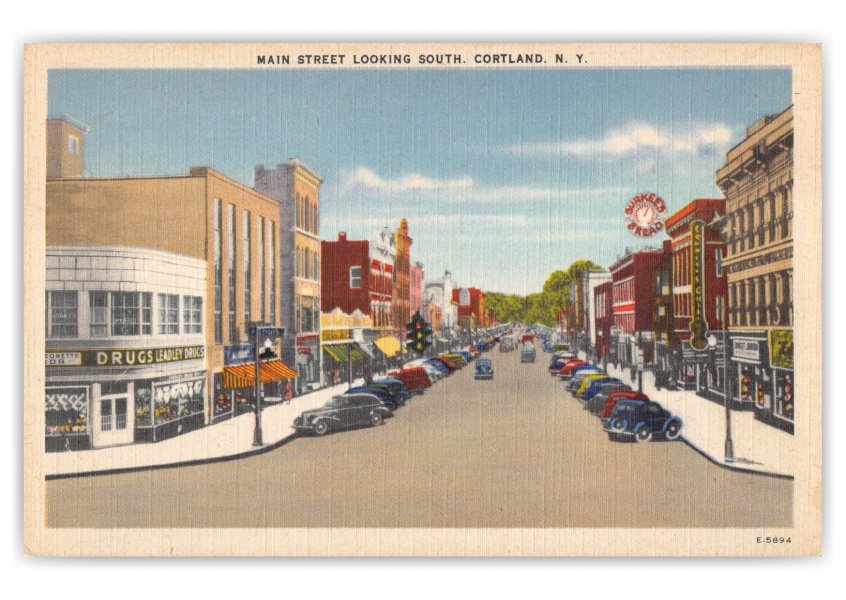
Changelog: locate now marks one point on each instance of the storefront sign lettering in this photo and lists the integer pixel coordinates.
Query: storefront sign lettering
(336, 335)
(238, 354)
(698, 324)
(123, 357)
(747, 350)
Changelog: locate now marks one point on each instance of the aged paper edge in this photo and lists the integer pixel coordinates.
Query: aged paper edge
(805, 60)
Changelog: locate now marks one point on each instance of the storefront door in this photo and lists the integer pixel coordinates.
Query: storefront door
(112, 424)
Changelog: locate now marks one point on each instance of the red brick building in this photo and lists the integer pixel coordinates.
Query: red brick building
(345, 277)
(632, 302)
(402, 270)
(415, 288)
(471, 306)
(604, 318)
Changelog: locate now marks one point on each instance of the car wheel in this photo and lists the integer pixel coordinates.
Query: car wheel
(643, 434)
(673, 430)
(420, 390)
(376, 419)
(321, 427)
(617, 424)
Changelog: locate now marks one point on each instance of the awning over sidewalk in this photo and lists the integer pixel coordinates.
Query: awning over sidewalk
(345, 352)
(242, 376)
(389, 345)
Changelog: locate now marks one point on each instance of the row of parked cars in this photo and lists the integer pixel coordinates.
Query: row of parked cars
(373, 402)
(624, 413)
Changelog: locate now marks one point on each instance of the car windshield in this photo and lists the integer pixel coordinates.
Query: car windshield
(335, 401)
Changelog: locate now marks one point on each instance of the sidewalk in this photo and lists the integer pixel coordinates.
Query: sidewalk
(757, 447)
(225, 439)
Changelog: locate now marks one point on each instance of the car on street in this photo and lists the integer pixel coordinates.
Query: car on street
(484, 369)
(439, 365)
(566, 372)
(579, 373)
(593, 387)
(596, 404)
(527, 353)
(615, 397)
(415, 379)
(387, 398)
(343, 411)
(396, 386)
(642, 420)
(457, 358)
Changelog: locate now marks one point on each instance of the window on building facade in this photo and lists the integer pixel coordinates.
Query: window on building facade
(218, 272)
(62, 314)
(272, 259)
(73, 145)
(718, 261)
(307, 214)
(168, 314)
(306, 263)
(315, 219)
(355, 277)
(98, 314)
(232, 262)
(262, 283)
(316, 271)
(192, 314)
(248, 296)
(298, 201)
(131, 313)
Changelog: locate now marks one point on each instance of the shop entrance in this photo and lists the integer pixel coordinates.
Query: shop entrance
(111, 425)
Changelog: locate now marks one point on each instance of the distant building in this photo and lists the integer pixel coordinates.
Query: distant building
(296, 186)
(441, 291)
(415, 288)
(402, 270)
(757, 181)
(590, 281)
(471, 307)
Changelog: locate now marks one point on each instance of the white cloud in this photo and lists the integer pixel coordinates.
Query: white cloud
(633, 138)
(463, 189)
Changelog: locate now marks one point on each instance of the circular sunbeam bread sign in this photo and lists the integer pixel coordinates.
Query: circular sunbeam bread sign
(645, 214)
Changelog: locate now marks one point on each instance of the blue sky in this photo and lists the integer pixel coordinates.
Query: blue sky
(504, 175)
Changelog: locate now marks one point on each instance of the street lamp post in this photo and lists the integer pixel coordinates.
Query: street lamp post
(638, 361)
(712, 342)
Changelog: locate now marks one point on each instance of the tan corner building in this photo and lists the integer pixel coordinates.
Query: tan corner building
(149, 281)
(296, 187)
(757, 180)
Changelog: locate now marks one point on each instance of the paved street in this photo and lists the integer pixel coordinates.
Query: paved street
(517, 451)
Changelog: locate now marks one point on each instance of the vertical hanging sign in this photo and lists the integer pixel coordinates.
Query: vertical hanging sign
(698, 324)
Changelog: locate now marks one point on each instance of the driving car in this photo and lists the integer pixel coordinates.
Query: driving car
(345, 410)
(527, 354)
(484, 369)
(642, 420)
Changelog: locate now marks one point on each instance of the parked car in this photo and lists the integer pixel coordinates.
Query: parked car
(388, 399)
(578, 376)
(588, 390)
(596, 404)
(566, 372)
(415, 379)
(396, 386)
(434, 374)
(467, 356)
(484, 369)
(615, 397)
(439, 365)
(457, 358)
(643, 420)
(527, 354)
(343, 411)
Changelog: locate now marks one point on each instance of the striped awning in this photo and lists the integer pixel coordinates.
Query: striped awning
(242, 376)
(345, 352)
(389, 345)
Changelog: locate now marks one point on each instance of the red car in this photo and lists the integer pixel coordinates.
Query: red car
(615, 396)
(415, 379)
(568, 367)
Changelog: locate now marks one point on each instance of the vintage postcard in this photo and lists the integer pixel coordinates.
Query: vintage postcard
(423, 299)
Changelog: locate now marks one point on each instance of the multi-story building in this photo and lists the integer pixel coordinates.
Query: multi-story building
(632, 305)
(603, 320)
(757, 181)
(590, 281)
(433, 315)
(663, 327)
(357, 277)
(415, 288)
(698, 292)
(151, 282)
(441, 291)
(471, 307)
(296, 186)
(402, 270)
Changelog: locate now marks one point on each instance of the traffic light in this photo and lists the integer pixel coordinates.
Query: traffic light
(418, 334)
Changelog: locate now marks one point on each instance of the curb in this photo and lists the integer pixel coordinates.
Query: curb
(722, 464)
(184, 463)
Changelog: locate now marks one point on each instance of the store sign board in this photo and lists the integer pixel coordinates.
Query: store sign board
(698, 324)
(746, 350)
(781, 349)
(122, 357)
(336, 335)
(238, 354)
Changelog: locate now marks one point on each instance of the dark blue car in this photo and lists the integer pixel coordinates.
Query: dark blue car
(396, 387)
(596, 385)
(438, 365)
(642, 420)
(379, 392)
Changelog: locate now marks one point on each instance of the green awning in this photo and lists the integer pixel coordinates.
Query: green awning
(345, 352)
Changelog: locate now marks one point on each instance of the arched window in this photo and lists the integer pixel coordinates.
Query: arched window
(306, 264)
(315, 219)
(307, 224)
(299, 209)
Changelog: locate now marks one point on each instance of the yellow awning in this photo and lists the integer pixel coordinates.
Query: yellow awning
(344, 352)
(389, 345)
(242, 376)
